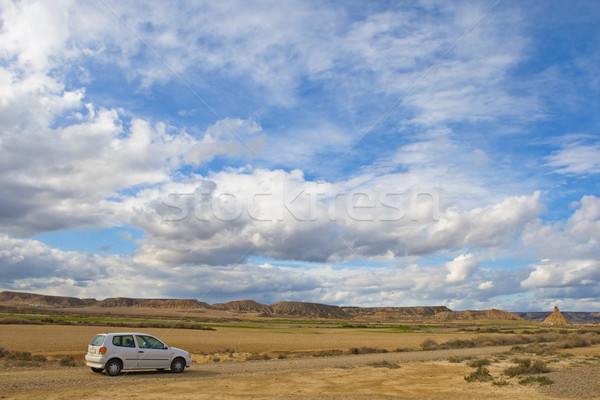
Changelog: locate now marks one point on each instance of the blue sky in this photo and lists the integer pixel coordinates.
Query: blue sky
(375, 154)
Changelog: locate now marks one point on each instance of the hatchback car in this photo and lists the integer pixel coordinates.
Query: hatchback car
(115, 352)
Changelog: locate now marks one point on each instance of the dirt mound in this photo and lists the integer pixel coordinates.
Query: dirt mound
(173, 303)
(471, 315)
(556, 318)
(308, 309)
(32, 299)
(243, 306)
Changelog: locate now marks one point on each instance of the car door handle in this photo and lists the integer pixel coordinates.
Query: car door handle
(141, 351)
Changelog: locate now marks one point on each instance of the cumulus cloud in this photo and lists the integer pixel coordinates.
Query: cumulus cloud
(571, 272)
(461, 268)
(426, 204)
(284, 216)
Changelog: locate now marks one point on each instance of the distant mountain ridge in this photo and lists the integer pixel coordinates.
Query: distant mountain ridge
(282, 308)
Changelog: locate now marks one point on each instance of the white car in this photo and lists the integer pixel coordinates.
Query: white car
(115, 352)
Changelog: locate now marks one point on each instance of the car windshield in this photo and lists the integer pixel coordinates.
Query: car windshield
(97, 340)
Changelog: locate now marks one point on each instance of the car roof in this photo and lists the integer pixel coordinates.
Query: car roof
(125, 333)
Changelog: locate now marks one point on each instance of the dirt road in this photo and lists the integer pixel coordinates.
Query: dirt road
(421, 374)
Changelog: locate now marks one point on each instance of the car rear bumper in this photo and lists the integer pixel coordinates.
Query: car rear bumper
(94, 361)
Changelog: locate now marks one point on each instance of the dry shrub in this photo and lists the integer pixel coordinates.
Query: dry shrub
(525, 366)
(384, 364)
(541, 380)
(18, 355)
(458, 359)
(479, 363)
(481, 374)
(536, 348)
(68, 361)
(458, 344)
(19, 321)
(255, 357)
(546, 337)
(571, 341)
(366, 350)
(429, 344)
(328, 353)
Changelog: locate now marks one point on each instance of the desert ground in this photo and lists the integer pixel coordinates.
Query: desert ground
(298, 362)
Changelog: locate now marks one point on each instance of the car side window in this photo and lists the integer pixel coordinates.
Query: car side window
(149, 342)
(123, 341)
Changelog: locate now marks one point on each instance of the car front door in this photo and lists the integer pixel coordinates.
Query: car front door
(152, 353)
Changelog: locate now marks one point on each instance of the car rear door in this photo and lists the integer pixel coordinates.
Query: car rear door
(152, 353)
(125, 348)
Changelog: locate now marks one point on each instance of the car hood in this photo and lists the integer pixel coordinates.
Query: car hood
(178, 350)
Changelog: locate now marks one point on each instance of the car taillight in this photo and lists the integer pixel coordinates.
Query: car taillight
(102, 350)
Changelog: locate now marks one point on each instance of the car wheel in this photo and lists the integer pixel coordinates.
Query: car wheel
(97, 369)
(113, 367)
(178, 365)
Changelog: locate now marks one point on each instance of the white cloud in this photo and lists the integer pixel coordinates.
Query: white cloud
(485, 285)
(576, 158)
(461, 268)
(216, 219)
(572, 272)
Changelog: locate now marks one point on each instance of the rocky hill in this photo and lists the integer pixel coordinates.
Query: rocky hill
(119, 302)
(556, 319)
(32, 299)
(314, 310)
(281, 309)
(470, 315)
(173, 303)
(395, 312)
(243, 306)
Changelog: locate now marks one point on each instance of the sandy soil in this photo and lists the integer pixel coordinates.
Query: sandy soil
(421, 374)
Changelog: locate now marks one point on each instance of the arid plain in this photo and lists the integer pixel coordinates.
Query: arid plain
(250, 355)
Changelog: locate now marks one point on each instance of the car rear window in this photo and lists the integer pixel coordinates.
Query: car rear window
(97, 340)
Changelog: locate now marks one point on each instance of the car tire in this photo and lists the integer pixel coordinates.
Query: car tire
(178, 365)
(113, 367)
(97, 369)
